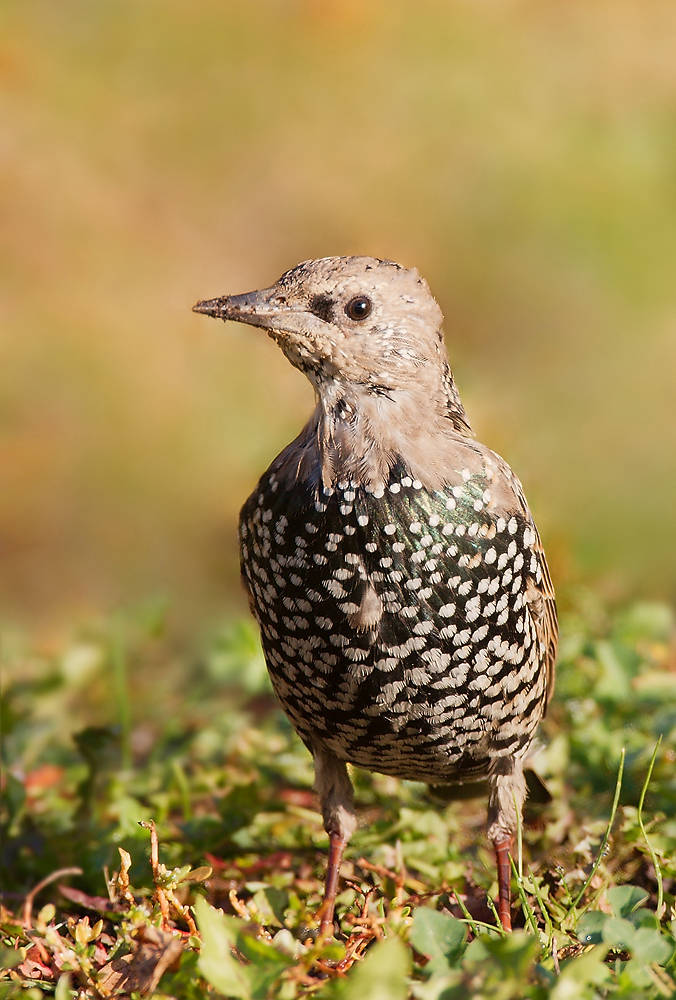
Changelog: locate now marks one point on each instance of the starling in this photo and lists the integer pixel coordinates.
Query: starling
(406, 610)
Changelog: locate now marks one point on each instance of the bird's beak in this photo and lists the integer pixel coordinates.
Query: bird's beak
(267, 308)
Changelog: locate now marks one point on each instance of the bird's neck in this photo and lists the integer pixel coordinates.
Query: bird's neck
(362, 434)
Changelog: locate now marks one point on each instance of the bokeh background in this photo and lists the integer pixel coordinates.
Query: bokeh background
(521, 154)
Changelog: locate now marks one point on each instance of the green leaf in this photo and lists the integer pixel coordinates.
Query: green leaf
(14, 796)
(644, 918)
(618, 933)
(238, 808)
(62, 991)
(10, 957)
(639, 976)
(237, 659)
(646, 620)
(650, 946)
(583, 970)
(267, 962)
(264, 977)
(515, 952)
(590, 927)
(260, 952)
(382, 975)
(624, 899)
(198, 874)
(613, 682)
(439, 936)
(271, 904)
(449, 986)
(217, 963)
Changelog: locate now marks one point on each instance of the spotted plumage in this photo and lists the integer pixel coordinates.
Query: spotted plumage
(405, 606)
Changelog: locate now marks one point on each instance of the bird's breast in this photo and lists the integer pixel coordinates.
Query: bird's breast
(396, 622)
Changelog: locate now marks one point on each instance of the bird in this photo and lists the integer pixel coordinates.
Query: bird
(406, 611)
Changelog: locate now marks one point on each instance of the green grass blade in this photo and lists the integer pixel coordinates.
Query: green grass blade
(491, 907)
(468, 916)
(653, 856)
(543, 909)
(523, 899)
(606, 838)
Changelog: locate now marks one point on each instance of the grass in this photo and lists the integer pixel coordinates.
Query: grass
(160, 836)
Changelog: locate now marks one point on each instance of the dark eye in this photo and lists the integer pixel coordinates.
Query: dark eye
(359, 307)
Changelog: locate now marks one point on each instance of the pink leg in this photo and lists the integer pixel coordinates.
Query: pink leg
(502, 849)
(336, 847)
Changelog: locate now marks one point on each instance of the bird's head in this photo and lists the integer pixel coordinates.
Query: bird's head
(347, 322)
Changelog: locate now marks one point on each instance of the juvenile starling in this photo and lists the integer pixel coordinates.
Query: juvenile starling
(405, 606)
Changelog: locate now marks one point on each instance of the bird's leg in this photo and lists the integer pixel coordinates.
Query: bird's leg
(333, 786)
(506, 795)
(502, 852)
(336, 847)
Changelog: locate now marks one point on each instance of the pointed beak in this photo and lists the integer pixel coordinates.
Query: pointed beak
(266, 308)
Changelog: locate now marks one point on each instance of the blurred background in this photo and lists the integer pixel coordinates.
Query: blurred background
(521, 154)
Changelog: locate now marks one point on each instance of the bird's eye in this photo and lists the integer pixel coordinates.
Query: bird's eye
(359, 307)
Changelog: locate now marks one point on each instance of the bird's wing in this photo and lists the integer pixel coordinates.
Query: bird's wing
(469, 539)
(544, 614)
